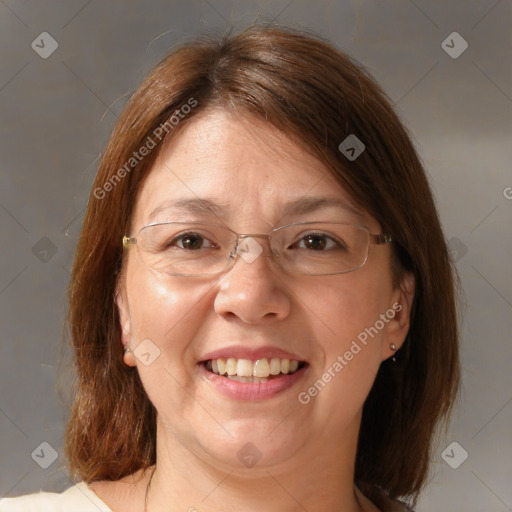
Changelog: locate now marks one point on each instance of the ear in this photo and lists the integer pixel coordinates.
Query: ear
(125, 321)
(399, 323)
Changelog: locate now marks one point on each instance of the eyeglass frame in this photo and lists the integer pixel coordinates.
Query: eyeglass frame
(373, 238)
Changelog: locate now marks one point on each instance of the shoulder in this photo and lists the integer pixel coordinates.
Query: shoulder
(379, 500)
(79, 497)
(387, 504)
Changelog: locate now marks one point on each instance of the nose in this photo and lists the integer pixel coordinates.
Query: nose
(252, 290)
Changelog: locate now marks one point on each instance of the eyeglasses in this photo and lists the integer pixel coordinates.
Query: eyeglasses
(310, 248)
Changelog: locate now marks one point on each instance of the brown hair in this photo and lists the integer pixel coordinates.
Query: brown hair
(317, 96)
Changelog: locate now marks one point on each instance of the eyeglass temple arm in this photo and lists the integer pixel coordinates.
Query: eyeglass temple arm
(381, 238)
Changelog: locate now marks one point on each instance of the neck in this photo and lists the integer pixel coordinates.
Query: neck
(317, 477)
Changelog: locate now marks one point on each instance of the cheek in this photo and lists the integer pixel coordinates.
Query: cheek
(346, 305)
(166, 310)
(166, 316)
(348, 328)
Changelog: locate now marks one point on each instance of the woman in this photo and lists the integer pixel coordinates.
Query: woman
(277, 330)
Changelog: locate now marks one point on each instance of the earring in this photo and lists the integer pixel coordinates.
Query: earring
(393, 348)
(126, 349)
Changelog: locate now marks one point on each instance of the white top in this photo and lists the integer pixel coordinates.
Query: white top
(78, 498)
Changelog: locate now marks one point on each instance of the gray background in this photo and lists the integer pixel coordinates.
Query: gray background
(56, 115)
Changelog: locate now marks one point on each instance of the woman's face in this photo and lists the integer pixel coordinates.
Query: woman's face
(248, 177)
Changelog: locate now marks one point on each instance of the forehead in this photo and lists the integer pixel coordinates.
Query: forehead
(241, 165)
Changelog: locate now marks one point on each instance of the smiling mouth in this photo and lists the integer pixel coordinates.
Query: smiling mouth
(260, 370)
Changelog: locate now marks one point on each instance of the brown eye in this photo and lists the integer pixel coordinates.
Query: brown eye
(191, 242)
(318, 242)
(315, 242)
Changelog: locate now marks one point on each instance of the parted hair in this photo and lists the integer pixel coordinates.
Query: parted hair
(317, 96)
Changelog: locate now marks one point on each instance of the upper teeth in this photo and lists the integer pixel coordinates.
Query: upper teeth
(247, 368)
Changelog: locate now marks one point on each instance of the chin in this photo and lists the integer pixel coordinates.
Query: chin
(252, 447)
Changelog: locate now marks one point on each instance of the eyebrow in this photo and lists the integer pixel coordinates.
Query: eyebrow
(202, 206)
(310, 204)
(197, 205)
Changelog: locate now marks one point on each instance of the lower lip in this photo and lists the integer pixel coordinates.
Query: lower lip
(253, 390)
